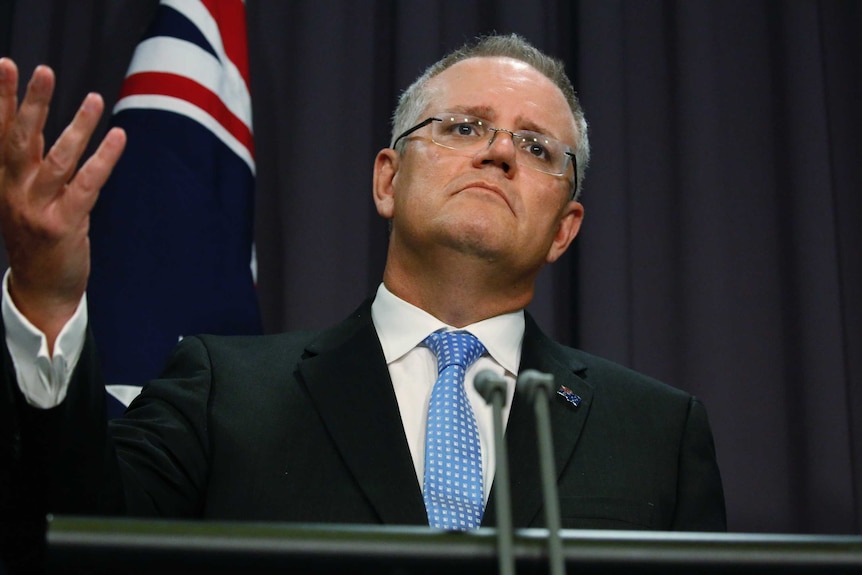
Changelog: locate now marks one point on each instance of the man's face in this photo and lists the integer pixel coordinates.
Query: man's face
(486, 204)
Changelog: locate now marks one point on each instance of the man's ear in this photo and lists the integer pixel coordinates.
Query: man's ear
(567, 229)
(385, 170)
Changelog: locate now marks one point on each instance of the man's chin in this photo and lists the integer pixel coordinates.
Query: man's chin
(479, 242)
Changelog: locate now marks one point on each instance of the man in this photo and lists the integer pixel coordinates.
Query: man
(480, 189)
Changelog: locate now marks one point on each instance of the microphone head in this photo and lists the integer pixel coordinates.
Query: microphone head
(532, 382)
(487, 383)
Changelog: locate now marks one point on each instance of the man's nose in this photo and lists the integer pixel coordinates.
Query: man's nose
(499, 151)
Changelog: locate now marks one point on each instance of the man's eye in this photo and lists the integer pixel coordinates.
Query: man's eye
(465, 129)
(537, 150)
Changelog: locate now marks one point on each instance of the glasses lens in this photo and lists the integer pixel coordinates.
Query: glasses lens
(470, 133)
(460, 132)
(541, 152)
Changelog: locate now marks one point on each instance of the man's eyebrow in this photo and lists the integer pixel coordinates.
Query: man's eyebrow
(525, 124)
(490, 114)
(485, 112)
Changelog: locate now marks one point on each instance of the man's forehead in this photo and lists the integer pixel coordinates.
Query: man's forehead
(472, 71)
(490, 62)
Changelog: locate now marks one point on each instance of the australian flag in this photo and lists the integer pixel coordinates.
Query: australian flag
(172, 232)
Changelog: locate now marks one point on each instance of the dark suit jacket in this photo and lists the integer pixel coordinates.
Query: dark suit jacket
(304, 427)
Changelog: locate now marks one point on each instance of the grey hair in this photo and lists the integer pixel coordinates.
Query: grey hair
(416, 98)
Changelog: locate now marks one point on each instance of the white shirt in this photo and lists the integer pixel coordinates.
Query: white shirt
(44, 380)
(413, 367)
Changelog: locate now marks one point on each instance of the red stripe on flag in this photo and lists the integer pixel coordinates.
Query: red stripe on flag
(230, 17)
(164, 84)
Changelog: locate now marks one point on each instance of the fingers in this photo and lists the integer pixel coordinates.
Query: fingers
(23, 138)
(83, 190)
(62, 159)
(8, 97)
(33, 183)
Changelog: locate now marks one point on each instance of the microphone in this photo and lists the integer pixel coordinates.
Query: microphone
(538, 387)
(492, 388)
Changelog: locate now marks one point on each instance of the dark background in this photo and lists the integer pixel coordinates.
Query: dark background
(720, 250)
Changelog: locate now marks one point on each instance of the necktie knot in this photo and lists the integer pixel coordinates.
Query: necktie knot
(454, 348)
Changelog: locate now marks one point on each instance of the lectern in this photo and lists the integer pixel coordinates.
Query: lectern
(135, 546)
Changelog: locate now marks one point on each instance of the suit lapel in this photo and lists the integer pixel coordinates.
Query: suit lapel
(567, 421)
(347, 378)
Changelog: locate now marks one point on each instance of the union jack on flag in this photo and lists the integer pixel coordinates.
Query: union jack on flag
(172, 232)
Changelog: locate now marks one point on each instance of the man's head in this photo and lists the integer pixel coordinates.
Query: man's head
(478, 189)
(415, 99)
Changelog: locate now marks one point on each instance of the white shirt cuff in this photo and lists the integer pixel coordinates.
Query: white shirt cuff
(43, 379)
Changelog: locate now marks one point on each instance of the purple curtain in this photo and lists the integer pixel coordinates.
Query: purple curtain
(720, 249)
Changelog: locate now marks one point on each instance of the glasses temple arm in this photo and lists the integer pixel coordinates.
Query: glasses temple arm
(421, 124)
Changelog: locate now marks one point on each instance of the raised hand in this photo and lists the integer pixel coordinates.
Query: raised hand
(45, 199)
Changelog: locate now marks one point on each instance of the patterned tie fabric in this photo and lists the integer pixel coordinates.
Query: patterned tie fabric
(453, 489)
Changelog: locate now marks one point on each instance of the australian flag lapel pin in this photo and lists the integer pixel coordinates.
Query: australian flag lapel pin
(569, 395)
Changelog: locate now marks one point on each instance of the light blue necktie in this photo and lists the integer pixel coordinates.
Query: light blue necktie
(453, 489)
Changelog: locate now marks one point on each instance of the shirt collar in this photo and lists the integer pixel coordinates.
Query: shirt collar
(401, 326)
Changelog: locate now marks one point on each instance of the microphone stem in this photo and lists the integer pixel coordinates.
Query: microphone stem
(505, 545)
(549, 484)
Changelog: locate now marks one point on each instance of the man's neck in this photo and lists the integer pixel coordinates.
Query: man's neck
(457, 295)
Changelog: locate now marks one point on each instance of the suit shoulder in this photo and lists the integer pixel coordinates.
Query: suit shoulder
(269, 352)
(287, 345)
(605, 373)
